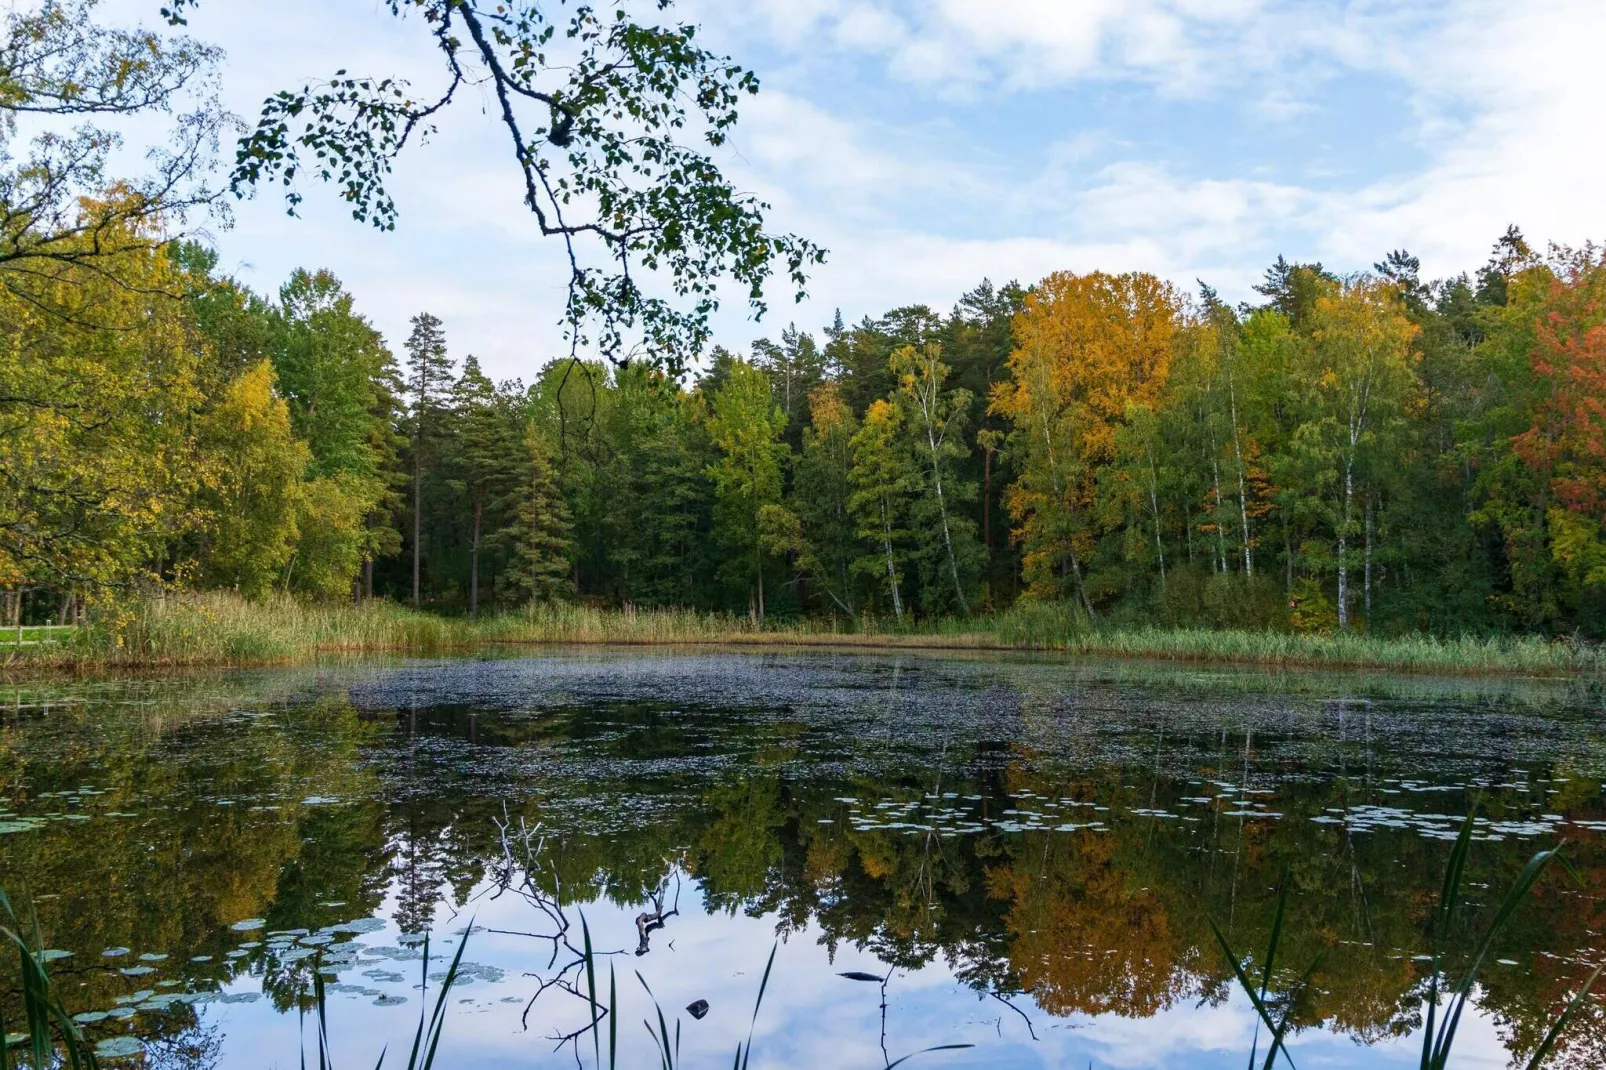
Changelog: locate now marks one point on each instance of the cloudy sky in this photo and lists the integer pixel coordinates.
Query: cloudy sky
(931, 143)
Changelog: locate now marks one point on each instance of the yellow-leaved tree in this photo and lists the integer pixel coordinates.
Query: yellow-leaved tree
(98, 381)
(253, 493)
(1086, 348)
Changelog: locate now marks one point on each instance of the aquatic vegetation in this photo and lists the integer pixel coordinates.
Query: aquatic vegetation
(1440, 1026)
(219, 628)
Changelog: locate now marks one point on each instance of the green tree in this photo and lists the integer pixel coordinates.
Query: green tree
(488, 456)
(936, 425)
(99, 385)
(883, 481)
(429, 379)
(538, 534)
(822, 490)
(745, 425)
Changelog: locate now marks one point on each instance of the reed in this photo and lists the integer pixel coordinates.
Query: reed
(220, 628)
(1440, 1023)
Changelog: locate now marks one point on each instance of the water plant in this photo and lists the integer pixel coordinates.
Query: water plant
(1439, 1025)
(220, 628)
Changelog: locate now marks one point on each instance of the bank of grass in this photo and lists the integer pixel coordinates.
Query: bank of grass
(222, 629)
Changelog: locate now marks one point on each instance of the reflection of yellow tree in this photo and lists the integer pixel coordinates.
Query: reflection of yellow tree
(1085, 939)
(200, 852)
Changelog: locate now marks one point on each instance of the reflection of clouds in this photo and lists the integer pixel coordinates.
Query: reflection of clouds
(811, 1017)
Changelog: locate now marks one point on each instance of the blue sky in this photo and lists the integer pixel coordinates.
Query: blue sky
(930, 143)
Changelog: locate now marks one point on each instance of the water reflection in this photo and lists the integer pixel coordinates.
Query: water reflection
(1031, 850)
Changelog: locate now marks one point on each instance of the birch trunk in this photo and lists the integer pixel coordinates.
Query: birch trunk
(892, 568)
(1367, 582)
(1343, 546)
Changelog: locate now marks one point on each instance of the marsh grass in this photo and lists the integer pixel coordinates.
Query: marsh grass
(219, 628)
(1440, 1023)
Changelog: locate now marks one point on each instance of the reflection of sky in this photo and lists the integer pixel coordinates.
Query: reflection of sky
(811, 1016)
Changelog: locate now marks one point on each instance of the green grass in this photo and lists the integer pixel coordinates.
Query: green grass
(223, 629)
(35, 634)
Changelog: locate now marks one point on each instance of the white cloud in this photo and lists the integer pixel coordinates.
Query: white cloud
(858, 142)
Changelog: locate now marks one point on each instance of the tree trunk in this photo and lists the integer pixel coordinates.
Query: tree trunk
(892, 568)
(942, 512)
(1221, 536)
(1288, 557)
(1243, 494)
(368, 579)
(987, 501)
(1367, 583)
(474, 563)
(1081, 591)
(1154, 505)
(418, 494)
(1343, 548)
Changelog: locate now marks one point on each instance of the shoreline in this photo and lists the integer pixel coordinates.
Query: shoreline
(222, 631)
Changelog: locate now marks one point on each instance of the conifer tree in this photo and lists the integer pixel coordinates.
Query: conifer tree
(538, 537)
(429, 377)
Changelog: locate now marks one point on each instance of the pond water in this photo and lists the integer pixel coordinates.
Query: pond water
(1030, 853)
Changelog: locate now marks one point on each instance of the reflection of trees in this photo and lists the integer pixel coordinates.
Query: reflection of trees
(1097, 922)
(222, 823)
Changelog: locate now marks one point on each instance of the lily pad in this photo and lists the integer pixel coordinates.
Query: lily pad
(151, 956)
(89, 1017)
(51, 954)
(114, 952)
(248, 925)
(359, 925)
(118, 1047)
(136, 971)
(390, 1001)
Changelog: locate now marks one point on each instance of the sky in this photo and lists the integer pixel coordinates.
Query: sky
(929, 144)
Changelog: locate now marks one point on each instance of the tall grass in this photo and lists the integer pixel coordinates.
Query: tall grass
(1440, 1024)
(223, 629)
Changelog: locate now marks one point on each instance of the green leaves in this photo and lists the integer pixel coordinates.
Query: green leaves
(604, 125)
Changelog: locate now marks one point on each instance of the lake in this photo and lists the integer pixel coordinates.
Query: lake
(1021, 854)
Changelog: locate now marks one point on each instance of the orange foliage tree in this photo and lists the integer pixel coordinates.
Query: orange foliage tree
(1087, 348)
(1566, 443)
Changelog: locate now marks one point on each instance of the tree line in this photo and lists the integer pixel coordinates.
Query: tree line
(1371, 451)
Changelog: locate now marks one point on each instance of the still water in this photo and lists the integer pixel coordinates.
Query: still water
(1028, 851)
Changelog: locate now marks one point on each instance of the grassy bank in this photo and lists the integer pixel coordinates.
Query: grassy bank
(220, 629)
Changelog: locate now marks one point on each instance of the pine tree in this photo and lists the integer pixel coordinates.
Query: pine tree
(488, 457)
(538, 538)
(429, 378)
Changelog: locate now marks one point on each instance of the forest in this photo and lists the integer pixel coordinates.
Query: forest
(1347, 452)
